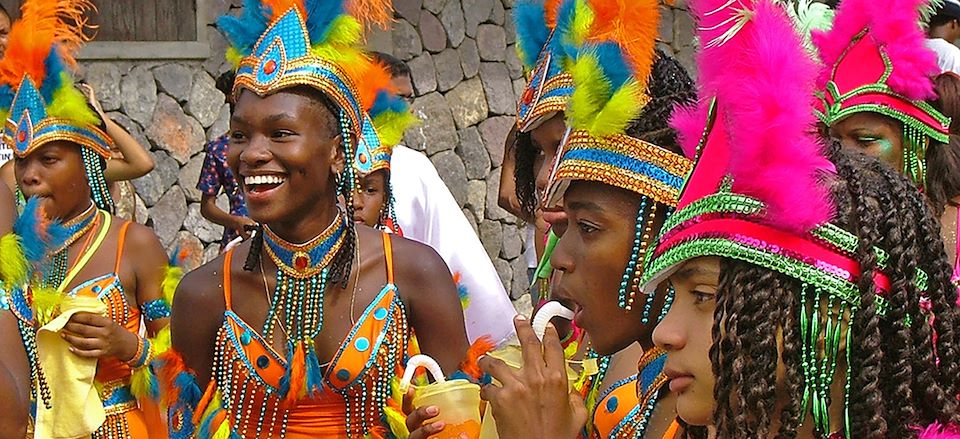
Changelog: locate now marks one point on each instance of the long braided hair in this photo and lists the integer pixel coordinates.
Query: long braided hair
(670, 84)
(343, 261)
(905, 369)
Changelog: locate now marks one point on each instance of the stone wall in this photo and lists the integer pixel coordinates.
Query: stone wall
(467, 77)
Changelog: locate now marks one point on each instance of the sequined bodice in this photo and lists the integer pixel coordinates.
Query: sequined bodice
(624, 409)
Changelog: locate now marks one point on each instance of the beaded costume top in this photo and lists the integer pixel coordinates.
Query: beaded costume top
(244, 397)
(624, 409)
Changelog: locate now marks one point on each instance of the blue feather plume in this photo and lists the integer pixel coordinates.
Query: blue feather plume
(532, 30)
(54, 66)
(561, 45)
(613, 63)
(243, 32)
(385, 102)
(38, 236)
(320, 17)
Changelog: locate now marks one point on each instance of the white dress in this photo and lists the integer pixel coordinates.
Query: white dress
(428, 213)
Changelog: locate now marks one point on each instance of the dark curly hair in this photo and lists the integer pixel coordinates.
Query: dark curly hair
(669, 85)
(896, 384)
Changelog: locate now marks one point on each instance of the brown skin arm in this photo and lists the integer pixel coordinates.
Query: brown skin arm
(8, 176)
(14, 380)
(8, 209)
(150, 264)
(135, 161)
(198, 309)
(427, 287)
(216, 215)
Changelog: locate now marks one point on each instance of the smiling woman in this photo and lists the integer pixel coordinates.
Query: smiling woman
(302, 336)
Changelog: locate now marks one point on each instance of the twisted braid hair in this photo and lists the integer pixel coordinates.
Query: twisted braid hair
(669, 85)
(896, 383)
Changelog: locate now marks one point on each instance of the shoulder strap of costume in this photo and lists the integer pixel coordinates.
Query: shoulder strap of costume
(388, 255)
(120, 242)
(90, 251)
(227, 293)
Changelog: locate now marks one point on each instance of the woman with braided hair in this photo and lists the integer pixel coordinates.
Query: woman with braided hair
(299, 332)
(812, 288)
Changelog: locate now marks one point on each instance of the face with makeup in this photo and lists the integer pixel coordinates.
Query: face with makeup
(371, 197)
(873, 134)
(592, 256)
(686, 334)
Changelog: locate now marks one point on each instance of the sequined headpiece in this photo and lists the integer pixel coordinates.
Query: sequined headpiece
(279, 44)
(540, 32)
(757, 192)
(383, 129)
(613, 59)
(875, 61)
(38, 96)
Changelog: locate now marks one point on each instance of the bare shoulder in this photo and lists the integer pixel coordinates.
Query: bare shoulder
(201, 291)
(141, 237)
(416, 260)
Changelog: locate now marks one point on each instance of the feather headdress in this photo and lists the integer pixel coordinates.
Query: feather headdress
(758, 192)
(875, 61)
(540, 28)
(277, 44)
(38, 98)
(612, 44)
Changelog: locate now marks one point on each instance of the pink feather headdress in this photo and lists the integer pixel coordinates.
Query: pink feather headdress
(875, 61)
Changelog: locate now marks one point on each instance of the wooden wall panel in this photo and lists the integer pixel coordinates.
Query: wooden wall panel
(138, 20)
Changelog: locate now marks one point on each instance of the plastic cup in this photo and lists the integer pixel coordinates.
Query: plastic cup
(458, 401)
(512, 355)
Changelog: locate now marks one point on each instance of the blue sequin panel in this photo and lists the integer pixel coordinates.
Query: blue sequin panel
(155, 310)
(626, 163)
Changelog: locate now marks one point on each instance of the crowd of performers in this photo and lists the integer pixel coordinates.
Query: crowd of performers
(767, 251)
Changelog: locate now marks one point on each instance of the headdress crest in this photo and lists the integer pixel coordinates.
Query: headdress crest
(540, 29)
(38, 96)
(875, 61)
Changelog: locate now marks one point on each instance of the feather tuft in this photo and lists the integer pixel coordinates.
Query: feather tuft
(895, 28)
(13, 263)
(764, 111)
(939, 431)
(372, 13)
(532, 30)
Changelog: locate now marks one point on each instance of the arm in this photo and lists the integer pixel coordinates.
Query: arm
(14, 379)
(8, 211)
(198, 309)
(216, 215)
(8, 176)
(150, 269)
(135, 161)
(432, 302)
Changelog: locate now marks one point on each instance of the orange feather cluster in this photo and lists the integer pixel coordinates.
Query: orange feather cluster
(43, 24)
(552, 7)
(633, 25)
(278, 7)
(479, 348)
(376, 77)
(372, 12)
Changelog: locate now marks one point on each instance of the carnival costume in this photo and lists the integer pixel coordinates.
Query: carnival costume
(41, 105)
(612, 51)
(874, 60)
(383, 128)
(254, 390)
(757, 191)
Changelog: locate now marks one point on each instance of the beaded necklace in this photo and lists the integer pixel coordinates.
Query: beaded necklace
(302, 271)
(77, 228)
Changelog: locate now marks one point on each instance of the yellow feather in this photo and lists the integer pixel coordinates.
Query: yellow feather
(70, 103)
(345, 30)
(591, 91)
(13, 263)
(171, 279)
(234, 57)
(616, 115)
(391, 125)
(223, 431)
(582, 21)
(46, 302)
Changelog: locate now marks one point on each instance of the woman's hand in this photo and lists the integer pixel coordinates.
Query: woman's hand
(95, 336)
(534, 401)
(92, 99)
(417, 423)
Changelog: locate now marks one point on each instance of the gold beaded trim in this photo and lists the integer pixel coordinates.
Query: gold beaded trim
(673, 164)
(100, 145)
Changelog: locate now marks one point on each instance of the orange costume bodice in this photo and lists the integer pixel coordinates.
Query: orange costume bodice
(124, 417)
(624, 409)
(244, 394)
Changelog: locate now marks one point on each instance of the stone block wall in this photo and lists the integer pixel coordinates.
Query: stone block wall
(467, 78)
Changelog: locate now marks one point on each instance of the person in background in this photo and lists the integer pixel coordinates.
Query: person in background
(129, 160)
(216, 174)
(428, 213)
(942, 32)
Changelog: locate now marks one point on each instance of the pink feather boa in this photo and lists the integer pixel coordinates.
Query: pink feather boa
(895, 27)
(938, 431)
(764, 80)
